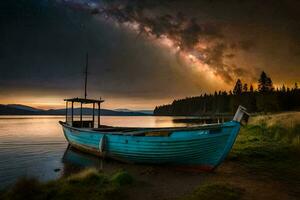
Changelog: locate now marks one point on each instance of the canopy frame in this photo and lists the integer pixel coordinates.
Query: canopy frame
(83, 123)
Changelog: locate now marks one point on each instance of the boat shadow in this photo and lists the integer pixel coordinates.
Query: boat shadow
(74, 160)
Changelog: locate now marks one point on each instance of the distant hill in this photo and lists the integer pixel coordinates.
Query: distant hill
(148, 112)
(23, 107)
(16, 109)
(8, 110)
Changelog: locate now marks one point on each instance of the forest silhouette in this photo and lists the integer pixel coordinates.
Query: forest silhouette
(264, 99)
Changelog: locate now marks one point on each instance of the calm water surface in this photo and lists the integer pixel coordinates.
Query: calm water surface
(34, 146)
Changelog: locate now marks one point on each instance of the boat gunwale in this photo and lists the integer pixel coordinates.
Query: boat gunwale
(139, 131)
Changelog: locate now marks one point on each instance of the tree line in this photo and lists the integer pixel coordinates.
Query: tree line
(264, 99)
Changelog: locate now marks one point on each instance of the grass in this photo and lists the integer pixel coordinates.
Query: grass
(88, 184)
(270, 148)
(284, 127)
(121, 178)
(215, 191)
(287, 119)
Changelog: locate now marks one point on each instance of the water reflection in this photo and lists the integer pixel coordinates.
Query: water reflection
(74, 160)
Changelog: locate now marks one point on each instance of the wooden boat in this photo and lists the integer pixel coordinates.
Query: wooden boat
(202, 147)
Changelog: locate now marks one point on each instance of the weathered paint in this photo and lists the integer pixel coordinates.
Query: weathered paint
(194, 148)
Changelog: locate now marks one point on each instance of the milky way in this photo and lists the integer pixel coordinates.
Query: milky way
(143, 53)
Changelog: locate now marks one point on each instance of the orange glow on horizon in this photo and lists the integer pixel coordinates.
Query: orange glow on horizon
(111, 103)
(47, 103)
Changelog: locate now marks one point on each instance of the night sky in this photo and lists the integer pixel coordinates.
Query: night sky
(143, 53)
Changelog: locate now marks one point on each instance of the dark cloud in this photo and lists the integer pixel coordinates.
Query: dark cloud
(231, 55)
(237, 24)
(44, 52)
(43, 45)
(245, 45)
(185, 31)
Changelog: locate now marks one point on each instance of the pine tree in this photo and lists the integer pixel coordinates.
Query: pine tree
(283, 88)
(270, 84)
(251, 88)
(265, 83)
(245, 87)
(238, 88)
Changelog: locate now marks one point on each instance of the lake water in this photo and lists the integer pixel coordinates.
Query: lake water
(34, 146)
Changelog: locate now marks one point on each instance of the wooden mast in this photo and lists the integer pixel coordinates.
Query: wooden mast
(85, 85)
(86, 74)
(83, 101)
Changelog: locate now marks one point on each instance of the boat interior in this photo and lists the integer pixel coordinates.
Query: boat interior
(139, 131)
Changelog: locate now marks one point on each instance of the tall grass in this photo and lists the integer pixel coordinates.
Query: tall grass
(270, 145)
(284, 127)
(287, 119)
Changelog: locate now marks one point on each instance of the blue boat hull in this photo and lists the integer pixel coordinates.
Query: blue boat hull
(203, 147)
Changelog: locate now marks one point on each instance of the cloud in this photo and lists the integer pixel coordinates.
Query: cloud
(246, 45)
(48, 57)
(145, 49)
